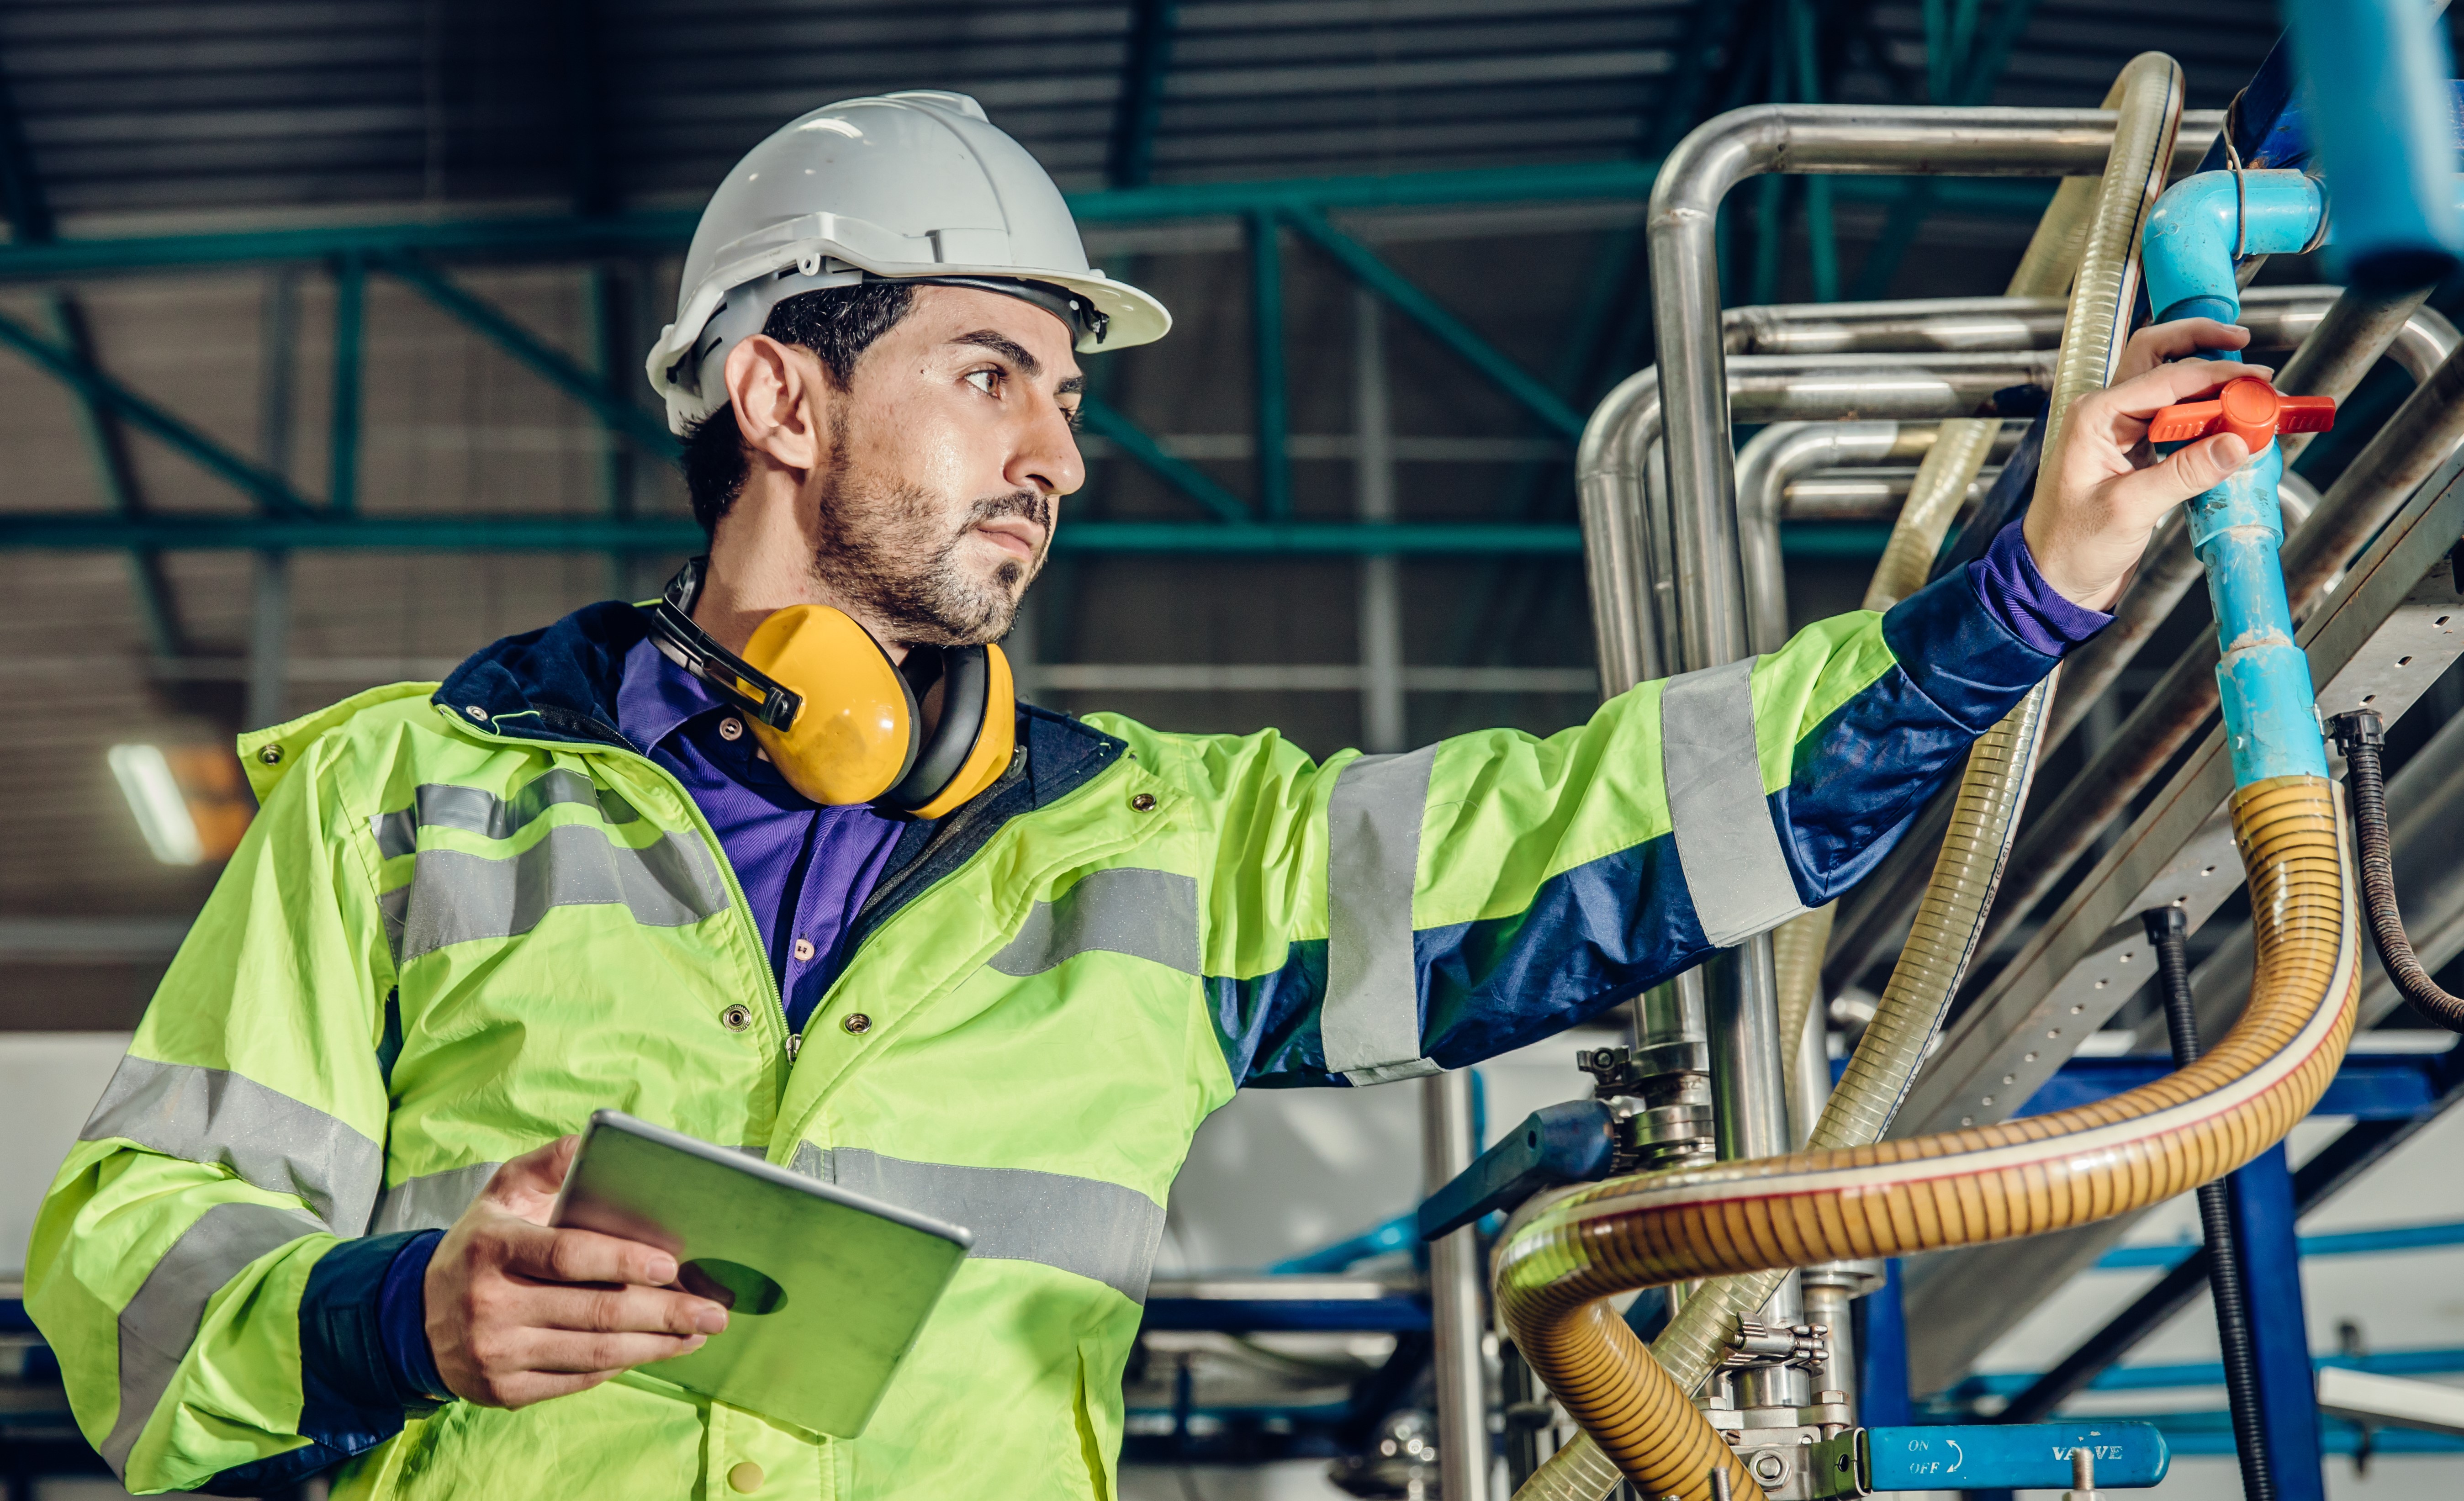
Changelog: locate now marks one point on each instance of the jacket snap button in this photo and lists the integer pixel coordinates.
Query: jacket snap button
(1144, 803)
(745, 1478)
(857, 1022)
(272, 755)
(475, 711)
(735, 1018)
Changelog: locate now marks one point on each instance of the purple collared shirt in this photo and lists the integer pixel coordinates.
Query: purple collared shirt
(2016, 595)
(806, 868)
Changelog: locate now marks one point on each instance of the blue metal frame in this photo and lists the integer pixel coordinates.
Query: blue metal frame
(1244, 1316)
(2377, 1242)
(2442, 1360)
(2259, 1198)
(1882, 1397)
(2366, 1086)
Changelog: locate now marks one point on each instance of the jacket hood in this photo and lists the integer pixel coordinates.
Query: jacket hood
(557, 683)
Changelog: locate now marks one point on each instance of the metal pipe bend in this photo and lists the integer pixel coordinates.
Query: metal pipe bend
(2023, 1176)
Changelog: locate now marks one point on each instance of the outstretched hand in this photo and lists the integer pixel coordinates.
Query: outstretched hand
(2110, 489)
(518, 1312)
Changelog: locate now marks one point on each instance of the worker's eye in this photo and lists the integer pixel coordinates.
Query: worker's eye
(1076, 415)
(987, 380)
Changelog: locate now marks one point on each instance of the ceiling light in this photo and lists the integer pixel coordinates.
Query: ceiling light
(162, 809)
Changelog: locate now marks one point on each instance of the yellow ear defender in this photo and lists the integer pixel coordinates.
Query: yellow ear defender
(839, 719)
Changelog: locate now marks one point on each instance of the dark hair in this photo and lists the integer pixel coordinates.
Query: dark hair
(837, 326)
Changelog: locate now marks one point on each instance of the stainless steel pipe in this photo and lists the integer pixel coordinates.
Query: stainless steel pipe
(1458, 1322)
(1621, 557)
(1897, 327)
(1769, 488)
(1683, 232)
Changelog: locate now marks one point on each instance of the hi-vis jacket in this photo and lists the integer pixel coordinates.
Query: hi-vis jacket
(468, 915)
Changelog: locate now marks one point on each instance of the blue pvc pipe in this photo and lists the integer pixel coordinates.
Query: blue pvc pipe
(2195, 226)
(2374, 77)
(2192, 235)
(2270, 708)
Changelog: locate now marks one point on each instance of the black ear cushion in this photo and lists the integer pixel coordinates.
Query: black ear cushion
(967, 681)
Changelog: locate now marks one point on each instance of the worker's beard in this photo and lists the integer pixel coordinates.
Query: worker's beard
(890, 551)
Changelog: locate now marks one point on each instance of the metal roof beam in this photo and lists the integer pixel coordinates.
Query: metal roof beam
(550, 364)
(552, 239)
(269, 490)
(1920, 197)
(1145, 62)
(1443, 325)
(30, 222)
(585, 532)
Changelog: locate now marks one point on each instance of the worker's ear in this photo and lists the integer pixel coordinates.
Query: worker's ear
(781, 401)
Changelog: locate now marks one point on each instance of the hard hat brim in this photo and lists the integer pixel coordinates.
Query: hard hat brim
(1136, 316)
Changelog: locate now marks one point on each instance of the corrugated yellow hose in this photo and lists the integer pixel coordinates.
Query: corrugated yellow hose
(2096, 220)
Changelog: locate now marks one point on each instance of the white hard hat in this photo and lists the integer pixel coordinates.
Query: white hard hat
(912, 186)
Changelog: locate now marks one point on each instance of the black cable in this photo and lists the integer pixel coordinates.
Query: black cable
(2167, 928)
(2362, 738)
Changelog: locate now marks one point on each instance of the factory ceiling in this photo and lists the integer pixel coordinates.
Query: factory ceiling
(123, 117)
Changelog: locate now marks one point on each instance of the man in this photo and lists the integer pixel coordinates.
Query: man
(307, 1225)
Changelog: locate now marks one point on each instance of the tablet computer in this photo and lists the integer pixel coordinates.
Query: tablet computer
(827, 1291)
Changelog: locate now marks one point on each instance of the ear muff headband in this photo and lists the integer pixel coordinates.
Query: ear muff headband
(838, 718)
(768, 700)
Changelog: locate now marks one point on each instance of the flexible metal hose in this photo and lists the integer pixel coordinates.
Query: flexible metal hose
(2359, 736)
(2023, 1176)
(2169, 929)
(1607, 1379)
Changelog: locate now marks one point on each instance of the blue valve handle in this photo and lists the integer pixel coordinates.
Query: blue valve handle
(1569, 1143)
(2009, 1456)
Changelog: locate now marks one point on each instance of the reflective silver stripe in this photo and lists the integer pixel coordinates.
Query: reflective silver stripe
(1102, 1230)
(432, 1202)
(482, 812)
(457, 897)
(160, 1323)
(269, 1139)
(1370, 1017)
(1144, 913)
(1734, 868)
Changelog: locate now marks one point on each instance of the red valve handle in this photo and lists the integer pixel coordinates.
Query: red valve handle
(2249, 407)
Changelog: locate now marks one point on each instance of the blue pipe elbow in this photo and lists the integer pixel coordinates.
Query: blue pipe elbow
(2189, 246)
(2374, 73)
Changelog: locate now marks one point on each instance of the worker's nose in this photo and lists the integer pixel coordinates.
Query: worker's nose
(1047, 457)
